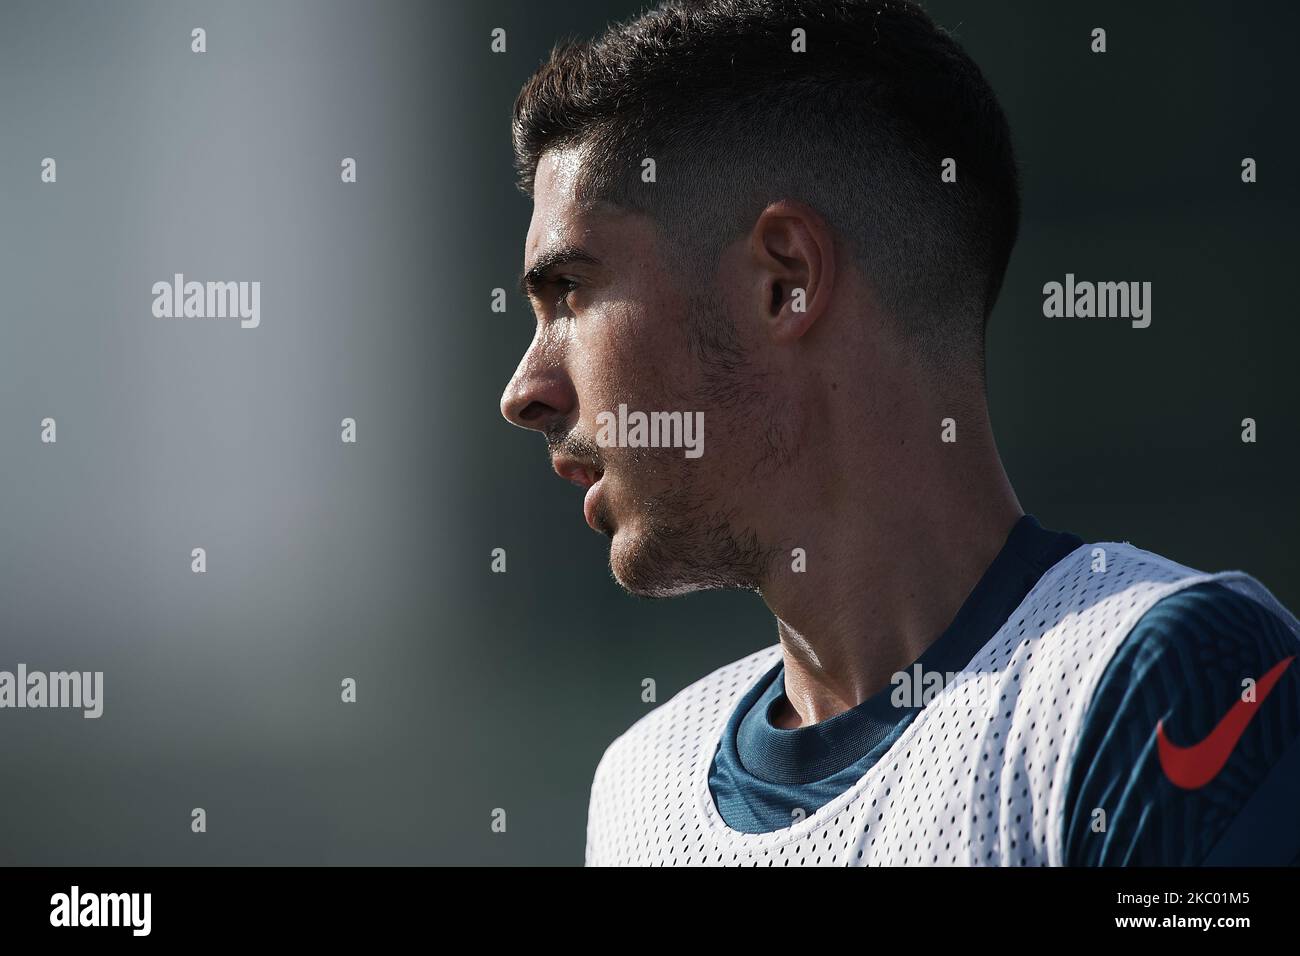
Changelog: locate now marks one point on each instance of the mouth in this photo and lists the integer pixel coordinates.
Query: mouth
(586, 476)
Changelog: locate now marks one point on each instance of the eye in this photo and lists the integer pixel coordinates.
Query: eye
(566, 287)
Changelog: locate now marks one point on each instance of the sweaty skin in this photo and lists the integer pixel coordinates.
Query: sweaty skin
(822, 432)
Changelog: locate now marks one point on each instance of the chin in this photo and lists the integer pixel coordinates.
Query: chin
(646, 565)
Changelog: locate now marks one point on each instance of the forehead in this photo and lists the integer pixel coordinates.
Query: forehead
(560, 220)
(555, 199)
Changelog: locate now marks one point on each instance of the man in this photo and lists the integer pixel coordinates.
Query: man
(741, 219)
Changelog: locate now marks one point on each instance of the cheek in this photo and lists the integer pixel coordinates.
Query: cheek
(625, 355)
(601, 367)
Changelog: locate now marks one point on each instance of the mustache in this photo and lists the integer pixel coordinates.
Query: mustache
(573, 445)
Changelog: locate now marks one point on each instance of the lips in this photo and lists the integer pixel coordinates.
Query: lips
(591, 503)
(581, 474)
(584, 475)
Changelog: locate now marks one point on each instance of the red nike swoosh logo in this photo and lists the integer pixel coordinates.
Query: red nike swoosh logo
(1195, 766)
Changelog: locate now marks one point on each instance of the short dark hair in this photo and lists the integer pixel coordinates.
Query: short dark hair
(857, 127)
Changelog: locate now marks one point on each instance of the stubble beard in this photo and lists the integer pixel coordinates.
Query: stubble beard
(687, 539)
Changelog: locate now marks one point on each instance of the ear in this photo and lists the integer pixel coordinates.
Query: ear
(792, 252)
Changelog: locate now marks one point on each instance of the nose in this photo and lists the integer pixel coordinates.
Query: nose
(540, 390)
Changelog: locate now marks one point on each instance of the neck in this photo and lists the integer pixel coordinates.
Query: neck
(894, 547)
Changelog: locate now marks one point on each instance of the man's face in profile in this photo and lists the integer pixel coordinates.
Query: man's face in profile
(615, 326)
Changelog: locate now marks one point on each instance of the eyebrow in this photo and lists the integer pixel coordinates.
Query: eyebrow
(532, 280)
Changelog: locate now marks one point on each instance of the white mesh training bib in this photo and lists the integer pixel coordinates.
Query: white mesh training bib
(978, 778)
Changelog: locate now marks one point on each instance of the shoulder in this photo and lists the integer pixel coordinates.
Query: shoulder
(1192, 714)
(1199, 640)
